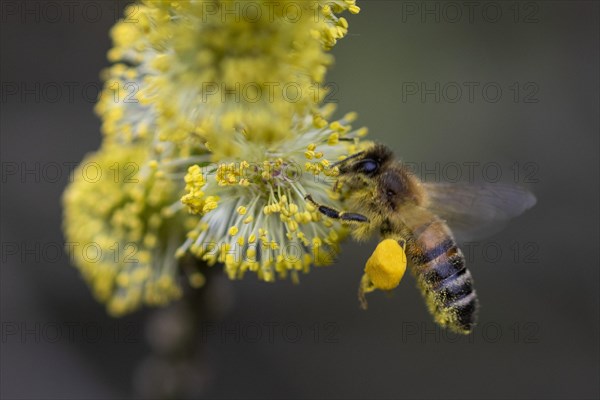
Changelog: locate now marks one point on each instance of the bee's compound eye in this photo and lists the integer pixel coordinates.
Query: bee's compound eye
(368, 166)
(387, 265)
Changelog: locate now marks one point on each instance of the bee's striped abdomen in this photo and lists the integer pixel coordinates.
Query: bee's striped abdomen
(443, 277)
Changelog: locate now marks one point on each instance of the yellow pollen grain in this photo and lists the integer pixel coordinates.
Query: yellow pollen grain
(197, 280)
(241, 210)
(179, 253)
(351, 116)
(333, 139)
(336, 126)
(293, 226)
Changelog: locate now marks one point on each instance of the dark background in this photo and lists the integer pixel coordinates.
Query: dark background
(539, 324)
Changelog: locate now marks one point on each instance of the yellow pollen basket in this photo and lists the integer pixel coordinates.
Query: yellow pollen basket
(386, 266)
(384, 269)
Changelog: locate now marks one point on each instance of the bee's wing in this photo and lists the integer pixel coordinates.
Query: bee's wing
(474, 211)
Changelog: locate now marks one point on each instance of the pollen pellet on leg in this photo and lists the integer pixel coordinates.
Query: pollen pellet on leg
(387, 265)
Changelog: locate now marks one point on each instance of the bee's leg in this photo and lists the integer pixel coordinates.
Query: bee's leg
(335, 214)
(402, 243)
(366, 286)
(387, 233)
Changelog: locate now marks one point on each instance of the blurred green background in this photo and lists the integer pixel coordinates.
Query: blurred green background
(537, 280)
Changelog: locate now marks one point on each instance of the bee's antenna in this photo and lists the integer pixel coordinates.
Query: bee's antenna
(335, 164)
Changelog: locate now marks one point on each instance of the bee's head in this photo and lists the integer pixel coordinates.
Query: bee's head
(359, 172)
(368, 163)
(373, 174)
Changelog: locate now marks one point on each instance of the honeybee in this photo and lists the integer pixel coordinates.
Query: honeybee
(413, 219)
